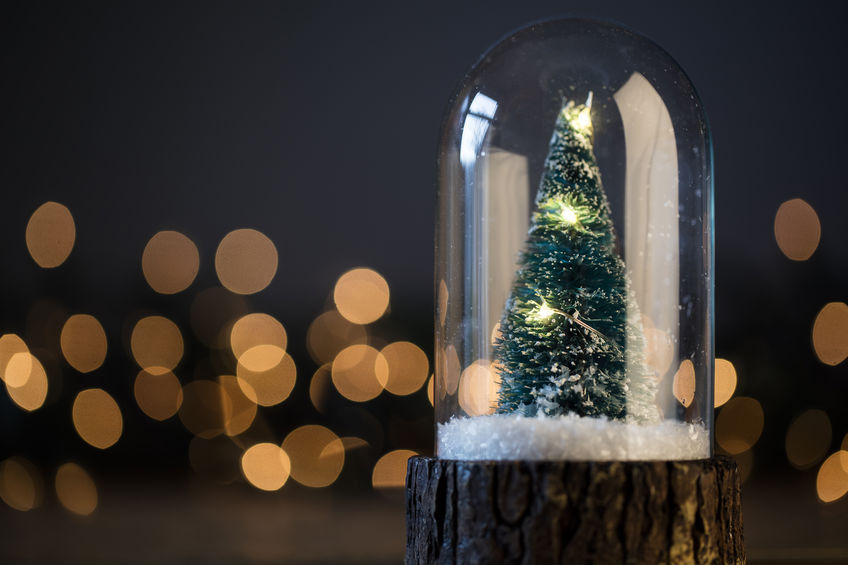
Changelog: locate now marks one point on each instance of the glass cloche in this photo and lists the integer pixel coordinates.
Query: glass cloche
(574, 254)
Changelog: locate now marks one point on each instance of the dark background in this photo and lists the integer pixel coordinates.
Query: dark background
(317, 124)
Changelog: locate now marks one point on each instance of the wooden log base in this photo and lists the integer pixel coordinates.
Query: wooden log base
(541, 512)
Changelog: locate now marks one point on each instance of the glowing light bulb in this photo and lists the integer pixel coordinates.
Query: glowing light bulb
(582, 122)
(545, 311)
(568, 214)
(542, 313)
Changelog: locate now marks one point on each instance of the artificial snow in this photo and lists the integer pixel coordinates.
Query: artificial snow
(571, 437)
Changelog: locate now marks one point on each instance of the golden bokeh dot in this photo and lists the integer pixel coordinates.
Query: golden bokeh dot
(18, 370)
(170, 262)
(443, 302)
(361, 295)
(268, 388)
(408, 367)
(206, 408)
(832, 478)
(319, 387)
(808, 438)
(11, 344)
(261, 358)
(360, 372)
(20, 484)
(258, 341)
(390, 469)
(266, 466)
(158, 395)
(451, 371)
(76, 489)
(50, 234)
(246, 261)
(478, 388)
(683, 386)
(317, 455)
(797, 229)
(83, 343)
(329, 333)
(830, 333)
(32, 393)
(243, 410)
(430, 392)
(157, 344)
(739, 424)
(97, 418)
(725, 381)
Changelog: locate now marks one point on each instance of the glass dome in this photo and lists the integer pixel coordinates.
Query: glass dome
(574, 315)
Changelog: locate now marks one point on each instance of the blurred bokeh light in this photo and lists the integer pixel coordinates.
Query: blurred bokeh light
(808, 438)
(76, 489)
(83, 343)
(271, 386)
(158, 395)
(725, 381)
(797, 229)
(170, 262)
(157, 344)
(10, 345)
(408, 367)
(361, 295)
(26, 371)
(683, 385)
(832, 478)
(478, 388)
(246, 261)
(360, 372)
(830, 333)
(266, 466)
(21, 484)
(258, 341)
(97, 418)
(739, 424)
(50, 234)
(317, 455)
(390, 470)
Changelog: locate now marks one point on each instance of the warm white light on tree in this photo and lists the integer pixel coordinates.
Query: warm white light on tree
(544, 312)
(569, 216)
(582, 121)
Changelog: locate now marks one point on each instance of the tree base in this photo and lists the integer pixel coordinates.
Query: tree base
(573, 512)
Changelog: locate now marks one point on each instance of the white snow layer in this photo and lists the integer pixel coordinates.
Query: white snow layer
(570, 437)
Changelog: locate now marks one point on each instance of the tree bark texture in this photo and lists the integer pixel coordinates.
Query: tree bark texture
(541, 512)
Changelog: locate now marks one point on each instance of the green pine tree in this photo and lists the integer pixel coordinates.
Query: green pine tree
(565, 330)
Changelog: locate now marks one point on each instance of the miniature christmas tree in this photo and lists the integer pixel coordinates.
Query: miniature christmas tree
(571, 339)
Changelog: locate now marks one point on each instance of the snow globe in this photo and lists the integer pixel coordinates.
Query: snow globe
(574, 310)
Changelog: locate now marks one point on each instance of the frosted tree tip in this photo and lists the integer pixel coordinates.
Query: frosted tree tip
(579, 116)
